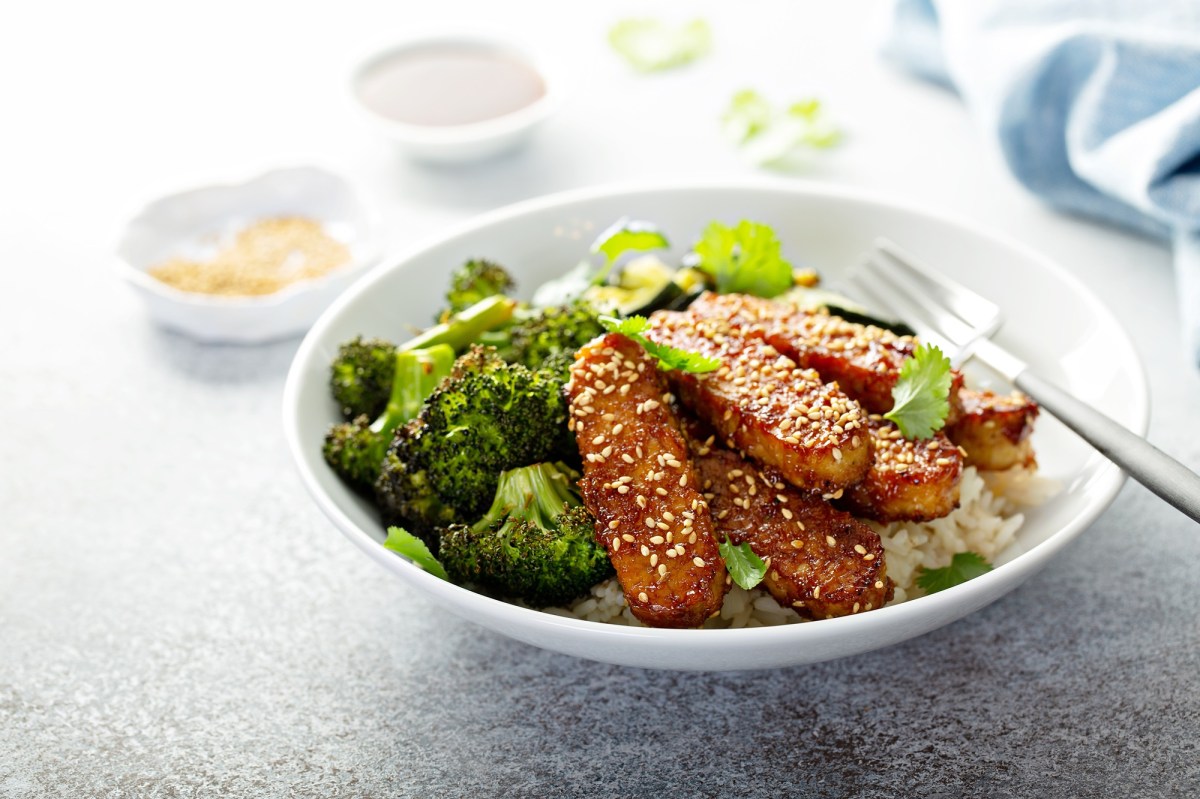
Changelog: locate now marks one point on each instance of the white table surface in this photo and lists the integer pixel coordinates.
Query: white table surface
(177, 619)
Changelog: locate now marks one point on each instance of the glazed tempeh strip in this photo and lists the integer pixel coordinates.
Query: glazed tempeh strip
(766, 406)
(909, 480)
(822, 562)
(639, 483)
(994, 429)
(864, 360)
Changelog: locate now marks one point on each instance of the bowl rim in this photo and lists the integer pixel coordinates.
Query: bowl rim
(479, 37)
(142, 280)
(1108, 479)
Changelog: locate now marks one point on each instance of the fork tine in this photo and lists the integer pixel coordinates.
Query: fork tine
(967, 305)
(945, 329)
(866, 284)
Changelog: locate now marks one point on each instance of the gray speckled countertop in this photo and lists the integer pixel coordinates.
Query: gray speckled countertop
(178, 620)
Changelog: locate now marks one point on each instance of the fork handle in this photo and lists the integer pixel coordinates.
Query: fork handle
(1140, 459)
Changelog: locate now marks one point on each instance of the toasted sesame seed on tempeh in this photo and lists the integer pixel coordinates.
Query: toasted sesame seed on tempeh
(761, 402)
(639, 483)
(909, 479)
(864, 360)
(821, 562)
(994, 429)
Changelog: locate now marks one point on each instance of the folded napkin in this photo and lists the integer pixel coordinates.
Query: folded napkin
(1095, 105)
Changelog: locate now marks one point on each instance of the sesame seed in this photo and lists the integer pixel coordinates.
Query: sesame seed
(614, 524)
(669, 516)
(656, 539)
(787, 514)
(879, 583)
(654, 560)
(860, 549)
(649, 522)
(797, 544)
(830, 540)
(617, 428)
(625, 457)
(662, 492)
(817, 592)
(642, 597)
(616, 543)
(663, 526)
(869, 556)
(598, 440)
(698, 561)
(622, 489)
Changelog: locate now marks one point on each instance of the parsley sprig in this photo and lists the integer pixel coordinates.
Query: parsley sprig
(963, 566)
(669, 358)
(746, 568)
(921, 396)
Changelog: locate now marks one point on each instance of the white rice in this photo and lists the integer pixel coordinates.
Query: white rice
(986, 522)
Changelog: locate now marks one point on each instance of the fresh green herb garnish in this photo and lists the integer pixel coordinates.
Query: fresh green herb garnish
(963, 566)
(650, 45)
(744, 259)
(746, 568)
(772, 137)
(668, 357)
(413, 548)
(921, 396)
(625, 235)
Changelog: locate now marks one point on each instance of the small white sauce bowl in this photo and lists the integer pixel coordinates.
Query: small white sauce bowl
(188, 223)
(466, 143)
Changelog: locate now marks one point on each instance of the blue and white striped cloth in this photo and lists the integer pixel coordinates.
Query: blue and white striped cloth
(1095, 105)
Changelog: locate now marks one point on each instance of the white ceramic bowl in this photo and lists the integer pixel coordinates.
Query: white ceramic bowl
(1054, 322)
(450, 144)
(186, 224)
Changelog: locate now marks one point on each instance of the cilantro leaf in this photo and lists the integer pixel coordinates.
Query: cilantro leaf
(624, 235)
(650, 45)
(776, 138)
(402, 541)
(744, 259)
(921, 397)
(963, 566)
(669, 358)
(746, 568)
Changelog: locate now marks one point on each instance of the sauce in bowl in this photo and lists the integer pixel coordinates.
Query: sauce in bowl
(445, 85)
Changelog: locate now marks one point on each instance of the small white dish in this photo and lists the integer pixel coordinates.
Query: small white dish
(471, 141)
(190, 222)
(1054, 323)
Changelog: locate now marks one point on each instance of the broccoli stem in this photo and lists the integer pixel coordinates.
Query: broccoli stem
(466, 326)
(539, 493)
(418, 373)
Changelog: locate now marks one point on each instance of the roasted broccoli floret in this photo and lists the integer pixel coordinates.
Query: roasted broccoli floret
(536, 543)
(355, 449)
(475, 280)
(488, 416)
(361, 374)
(549, 337)
(361, 377)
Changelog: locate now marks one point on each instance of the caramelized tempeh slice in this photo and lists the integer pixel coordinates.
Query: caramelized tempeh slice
(994, 429)
(766, 406)
(864, 360)
(639, 483)
(909, 480)
(823, 561)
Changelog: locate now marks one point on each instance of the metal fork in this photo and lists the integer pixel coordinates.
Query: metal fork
(960, 322)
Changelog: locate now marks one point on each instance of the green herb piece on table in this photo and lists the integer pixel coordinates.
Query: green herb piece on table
(744, 258)
(773, 137)
(669, 358)
(413, 548)
(746, 568)
(921, 396)
(651, 45)
(963, 566)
